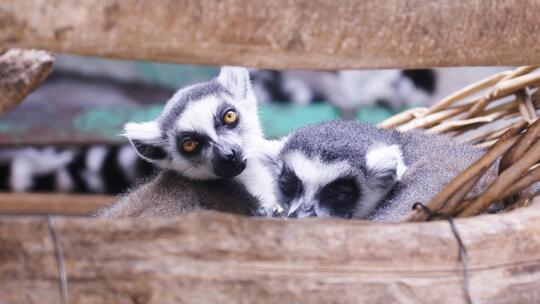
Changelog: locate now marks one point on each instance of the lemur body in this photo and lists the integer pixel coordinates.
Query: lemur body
(211, 131)
(170, 194)
(348, 169)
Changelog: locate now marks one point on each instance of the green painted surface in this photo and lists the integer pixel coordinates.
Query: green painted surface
(104, 124)
(108, 122)
(279, 120)
(174, 75)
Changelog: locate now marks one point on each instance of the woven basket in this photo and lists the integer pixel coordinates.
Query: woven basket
(499, 113)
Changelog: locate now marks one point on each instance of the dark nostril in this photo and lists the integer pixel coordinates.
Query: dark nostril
(231, 156)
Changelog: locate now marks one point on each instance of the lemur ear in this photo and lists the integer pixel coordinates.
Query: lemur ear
(385, 165)
(236, 80)
(146, 139)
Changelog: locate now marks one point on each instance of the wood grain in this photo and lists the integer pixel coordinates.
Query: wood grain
(21, 71)
(211, 257)
(281, 34)
(57, 203)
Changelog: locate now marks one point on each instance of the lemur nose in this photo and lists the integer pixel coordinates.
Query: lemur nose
(231, 155)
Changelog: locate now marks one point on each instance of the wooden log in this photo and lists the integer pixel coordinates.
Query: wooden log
(54, 203)
(318, 34)
(210, 257)
(21, 71)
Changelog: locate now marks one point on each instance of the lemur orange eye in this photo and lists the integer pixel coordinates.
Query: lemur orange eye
(230, 117)
(189, 145)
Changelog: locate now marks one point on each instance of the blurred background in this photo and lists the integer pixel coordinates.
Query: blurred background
(74, 119)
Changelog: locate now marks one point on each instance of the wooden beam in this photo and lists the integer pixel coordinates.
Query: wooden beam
(21, 71)
(318, 34)
(41, 203)
(210, 257)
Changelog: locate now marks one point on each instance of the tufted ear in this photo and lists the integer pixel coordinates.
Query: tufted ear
(146, 139)
(386, 166)
(235, 80)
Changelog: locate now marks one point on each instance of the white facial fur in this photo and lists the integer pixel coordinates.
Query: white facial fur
(314, 175)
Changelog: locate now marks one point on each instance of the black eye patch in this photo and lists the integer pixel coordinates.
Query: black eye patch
(340, 196)
(289, 184)
(201, 140)
(221, 111)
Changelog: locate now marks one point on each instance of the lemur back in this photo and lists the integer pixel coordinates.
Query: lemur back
(433, 161)
(170, 194)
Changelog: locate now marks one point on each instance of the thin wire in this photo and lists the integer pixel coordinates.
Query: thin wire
(59, 259)
(462, 251)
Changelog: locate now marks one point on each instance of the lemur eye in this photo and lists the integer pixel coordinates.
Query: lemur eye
(230, 117)
(289, 184)
(189, 145)
(340, 195)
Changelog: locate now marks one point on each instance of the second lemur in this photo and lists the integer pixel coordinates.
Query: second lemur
(353, 170)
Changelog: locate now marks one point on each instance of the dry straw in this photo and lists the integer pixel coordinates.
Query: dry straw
(499, 113)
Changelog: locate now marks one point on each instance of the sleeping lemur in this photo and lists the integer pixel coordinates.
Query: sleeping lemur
(349, 169)
(210, 131)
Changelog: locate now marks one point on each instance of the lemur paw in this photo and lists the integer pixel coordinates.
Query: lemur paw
(274, 210)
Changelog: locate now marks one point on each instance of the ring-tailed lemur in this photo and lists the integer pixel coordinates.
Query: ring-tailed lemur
(349, 169)
(211, 130)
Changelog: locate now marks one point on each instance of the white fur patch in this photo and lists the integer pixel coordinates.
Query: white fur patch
(64, 183)
(199, 117)
(257, 177)
(94, 162)
(30, 162)
(127, 158)
(315, 174)
(144, 131)
(386, 158)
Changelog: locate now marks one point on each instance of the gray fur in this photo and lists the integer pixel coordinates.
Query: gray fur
(339, 140)
(175, 107)
(170, 194)
(432, 161)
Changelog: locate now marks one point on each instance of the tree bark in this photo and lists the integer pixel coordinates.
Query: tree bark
(211, 257)
(21, 71)
(315, 34)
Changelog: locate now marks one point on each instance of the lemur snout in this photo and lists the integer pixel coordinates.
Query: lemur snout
(228, 161)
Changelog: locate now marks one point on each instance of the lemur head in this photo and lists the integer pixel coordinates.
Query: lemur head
(337, 169)
(203, 128)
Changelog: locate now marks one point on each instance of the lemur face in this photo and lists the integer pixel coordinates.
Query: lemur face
(337, 169)
(203, 129)
(312, 187)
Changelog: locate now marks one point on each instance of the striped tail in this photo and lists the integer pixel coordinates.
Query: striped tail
(92, 169)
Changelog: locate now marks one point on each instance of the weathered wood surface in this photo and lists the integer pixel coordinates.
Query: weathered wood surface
(55, 203)
(319, 34)
(21, 71)
(217, 258)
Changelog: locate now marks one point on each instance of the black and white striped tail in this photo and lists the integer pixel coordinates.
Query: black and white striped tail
(92, 169)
